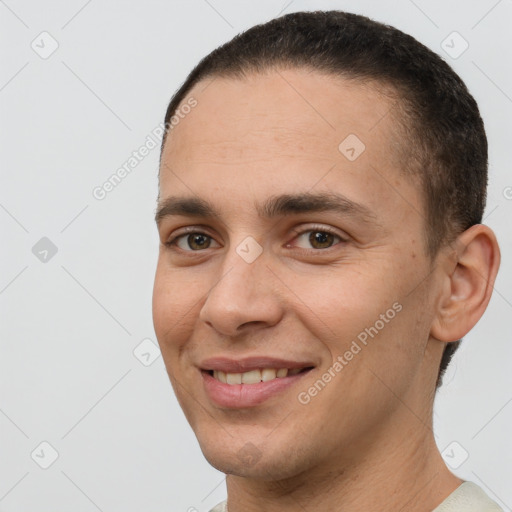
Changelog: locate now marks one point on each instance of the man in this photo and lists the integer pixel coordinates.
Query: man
(322, 183)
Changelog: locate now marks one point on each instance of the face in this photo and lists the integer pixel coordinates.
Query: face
(293, 301)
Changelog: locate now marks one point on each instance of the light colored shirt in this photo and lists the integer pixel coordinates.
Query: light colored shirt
(468, 497)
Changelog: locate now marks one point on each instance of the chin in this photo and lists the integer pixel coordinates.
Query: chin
(245, 459)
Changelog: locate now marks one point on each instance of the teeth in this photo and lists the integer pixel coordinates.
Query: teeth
(268, 374)
(251, 377)
(234, 378)
(254, 376)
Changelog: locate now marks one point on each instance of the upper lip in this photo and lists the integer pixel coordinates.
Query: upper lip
(230, 365)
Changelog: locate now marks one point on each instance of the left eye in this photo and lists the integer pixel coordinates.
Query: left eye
(195, 241)
(319, 239)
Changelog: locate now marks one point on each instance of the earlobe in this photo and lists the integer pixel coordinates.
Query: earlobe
(468, 286)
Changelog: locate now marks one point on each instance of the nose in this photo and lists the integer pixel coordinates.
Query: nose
(245, 294)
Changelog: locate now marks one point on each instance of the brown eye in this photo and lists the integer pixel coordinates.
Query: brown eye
(198, 241)
(191, 242)
(317, 239)
(321, 239)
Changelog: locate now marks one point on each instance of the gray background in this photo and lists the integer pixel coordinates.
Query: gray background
(73, 372)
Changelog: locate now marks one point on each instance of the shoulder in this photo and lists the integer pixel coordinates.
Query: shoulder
(221, 507)
(468, 497)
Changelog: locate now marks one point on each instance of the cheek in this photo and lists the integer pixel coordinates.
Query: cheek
(160, 305)
(172, 305)
(343, 300)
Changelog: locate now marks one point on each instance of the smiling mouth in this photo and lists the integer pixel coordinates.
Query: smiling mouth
(256, 376)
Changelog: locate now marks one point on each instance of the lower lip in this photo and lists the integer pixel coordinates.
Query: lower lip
(238, 396)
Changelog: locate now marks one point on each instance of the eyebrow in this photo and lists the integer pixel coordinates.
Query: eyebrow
(274, 206)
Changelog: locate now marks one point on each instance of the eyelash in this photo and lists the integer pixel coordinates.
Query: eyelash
(172, 243)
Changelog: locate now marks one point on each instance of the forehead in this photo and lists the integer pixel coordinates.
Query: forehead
(299, 110)
(286, 129)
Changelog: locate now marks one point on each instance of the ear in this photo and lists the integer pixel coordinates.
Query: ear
(468, 283)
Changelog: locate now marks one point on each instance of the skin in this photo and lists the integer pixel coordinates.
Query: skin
(365, 441)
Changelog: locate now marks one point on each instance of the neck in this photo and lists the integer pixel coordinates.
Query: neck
(400, 470)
